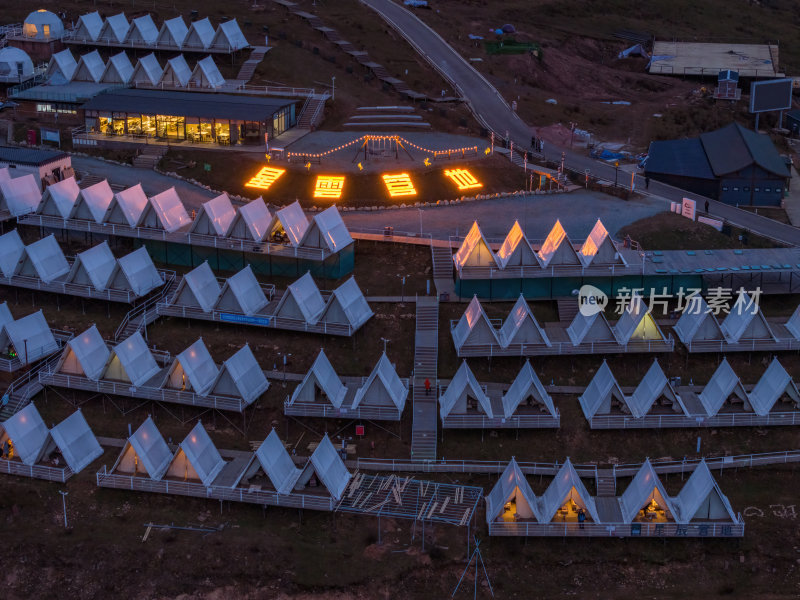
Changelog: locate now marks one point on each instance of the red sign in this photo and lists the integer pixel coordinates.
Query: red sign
(360, 430)
(31, 137)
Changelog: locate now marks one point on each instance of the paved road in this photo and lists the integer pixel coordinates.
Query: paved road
(493, 112)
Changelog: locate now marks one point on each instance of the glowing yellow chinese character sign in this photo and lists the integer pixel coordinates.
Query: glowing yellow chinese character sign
(463, 179)
(399, 185)
(265, 178)
(329, 186)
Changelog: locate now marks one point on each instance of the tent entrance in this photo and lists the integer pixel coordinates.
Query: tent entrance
(655, 510)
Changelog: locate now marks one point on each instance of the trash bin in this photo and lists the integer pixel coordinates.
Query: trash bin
(444, 297)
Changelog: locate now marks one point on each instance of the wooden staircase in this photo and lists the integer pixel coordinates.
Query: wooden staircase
(606, 483)
(567, 309)
(425, 406)
(149, 157)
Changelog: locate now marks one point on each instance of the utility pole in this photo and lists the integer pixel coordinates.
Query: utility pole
(64, 503)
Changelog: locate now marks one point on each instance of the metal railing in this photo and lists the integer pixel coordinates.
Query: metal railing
(516, 421)
(146, 309)
(777, 419)
(771, 345)
(713, 462)
(328, 411)
(10, 365)
(561, 348)
(463, 466)
(534, 529)
(15, 467)
(71, 37)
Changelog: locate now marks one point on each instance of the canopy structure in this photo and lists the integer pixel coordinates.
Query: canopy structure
(599, 248)
(86, 355)
(512, 497)
(198, 458)
(745, 321)
(89, 26)
(521, 327)
(145, 452)
(697, 322)
(118, 69)
(76, 442)
(193, 370)
(58, 198)
(136, 272)
(31, 338)
(176, 73)
(11, 252)
(242, 294)
(292, 222)
(463, 388)
(527, 388)
(43, 259)
(142, 31)
(165, 211)
(330, 468)
(773, 385)
(383, 387)
(347, 306)
(93, 202)
(328, 231)
(320, 384)
(516, 251)
(654, 387)
(302, 300)
(251, 222)
(241, 377)
(474, 327)
(200, 35)
(602, 393)
(90, 68)
(278, 466)
(475, 251)
(565, 489)
(590, 329)
(148, 71)
(61, 67)
(637, 323)
(20, 195)
(214, 217)
(26, 432)
(93, 267)
(206, 74)
(132, 362)
(114, 29)
(173, 32)
(700, 499)
(198, 289)
(723, 384)
(646, 494)
(557, 250)
(229, 37)
(127, 206)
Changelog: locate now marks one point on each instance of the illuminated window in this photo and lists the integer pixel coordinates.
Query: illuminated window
(265, 178)
(329, 186)
(463, 179)
(399, 185)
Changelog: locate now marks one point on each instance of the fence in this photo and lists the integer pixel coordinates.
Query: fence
(770, 345)
(512, 422)
(561, 348)
(14, 467)
(720, 420)
(328, 411)
(533, 529)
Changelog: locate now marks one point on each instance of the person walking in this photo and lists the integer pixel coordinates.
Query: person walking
(581, 518)
(708, 213)
(427, 386)
(646, 182)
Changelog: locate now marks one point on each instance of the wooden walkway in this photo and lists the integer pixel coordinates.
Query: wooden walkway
(443, 271)
(426, 348)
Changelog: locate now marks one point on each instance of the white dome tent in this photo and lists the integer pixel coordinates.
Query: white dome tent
(15, 65)
(43, 25)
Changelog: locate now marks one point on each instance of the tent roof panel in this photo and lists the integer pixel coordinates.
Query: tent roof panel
(332, 229)
(220, 213)
(21, 195)
(308, 297)
(351, 300)
(63, 194)
(202, 454)
(206, 74)
(204, 286)
(511, 480)
(247, 291)
(513, 330)
(91, 351)
(11, 252)
(559, 490)
(199, 367)
(132, 202)
(97, 198)
(28, 432)
(277, 464)
(385, 374)
(294, 222)
(47, 258)
(98, 263)
(246, 374)
(330, 468)
(463, 381)
(170, 210)
(77, 443)
(31, 338)
(136, 359)
(149, 445)
(140, 271)
(525, 384)
(641, 490)
(323, 373)
(475, 250)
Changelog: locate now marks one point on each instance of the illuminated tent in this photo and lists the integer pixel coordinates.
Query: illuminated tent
(93, 267)
(136, 272)
(241, 377)
(599, 248)
(142, 31)
(127, 206)
(43, 25)
(793, 324)
(118, 69)
(521, 327)
(347, 306)
(132, 362)
(274, 460)
(206, 74)
(197, 460)
(637, 323)
(93, 202)
(464, 386)
(591, 329)
(31, 338)
(12, 251)
(193, 370)
(327, 230)
(86, 355)
(176, 73)
(292, 221)
(645, 488)
(251, 222)
(654, 387)
(165, 211)
(382, 388)
(229, 37)
(148, 71)
(516, 251)
(114, 30)
(745, 321)
(527, 387)
(214, 217)
(329, 467)
(61, 67)
(74, 439)
(557, 250)
(602, 393)
(172, 33)
(697, 322)
(513, 488)
(28, 434)
(774, 384)
(701, 499)
(145, 452)
(89, 26)
(320, 384)
(474, 250)
(302, 301)
(565, 487)
(20, 195)
(59, 198)
(723, 384)
(474, 327)
(242, 294)
(43, 259)
(90, 68)
(198, 288)
(200, 35)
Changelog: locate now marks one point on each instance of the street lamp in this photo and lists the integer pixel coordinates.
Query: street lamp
(333, 88)
(64, 503)
(402, 287)
(420, 221)
(616, 172)
(284, 355)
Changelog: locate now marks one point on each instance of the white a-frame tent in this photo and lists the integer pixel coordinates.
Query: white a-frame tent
(20, 195)
(89, 26)
(199, 288)
(745, 321)
(43, 259)
(590, 329)
(774, 384)
(59, 198)
(456, 397)
(76, 442)
(272, 457)
(145, 452)
(92, 203)
(86, 355)
(143, 31)
(115, 29)
(147, 71)
(27, 434)
(90, 68)
(475, 251)
(241, 377)
(654, 387)
(193, 370)
(301, 301)
(118, 69)
(214, 217)
(474, 327)
(165, 211)
(697, 322)
(290, 221)
(383, 388)
(567, 491)
(93, 267)
(347, 306)
(327, 231)
(229, 37)
(723, 385)
(527, 388)
(11, 252)
(176, 72)
(127, 206)
(206, 74)
(700, 499)
(172, 34)
(557, 250)
(251, 221)
(136, 272)
(645, 494)
(602, 393)
(242, 294)
(200, 35)
(132, 362)
(516, 251)
(599, 249)
(329, 467)
(521, 327)
(31, 338)
(197, 460)
(637, 323)
(320, 384)
(61, 67)
(512, 490)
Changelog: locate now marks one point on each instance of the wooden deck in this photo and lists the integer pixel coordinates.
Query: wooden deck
(657, 530)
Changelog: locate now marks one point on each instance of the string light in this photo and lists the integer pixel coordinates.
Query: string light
(396, 138)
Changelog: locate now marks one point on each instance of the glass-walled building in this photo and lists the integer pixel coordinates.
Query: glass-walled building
(193, 116)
